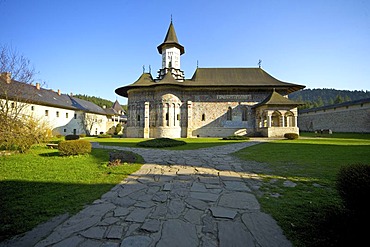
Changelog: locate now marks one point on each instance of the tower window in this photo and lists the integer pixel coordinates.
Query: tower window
(138, 118)
(66, 114)
(46, 113)
(203, 117)
(32, 108)
(57, 114)
(244, 114)
(229, 114)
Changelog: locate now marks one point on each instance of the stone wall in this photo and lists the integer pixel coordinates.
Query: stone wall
(184, 112)
(340, 118)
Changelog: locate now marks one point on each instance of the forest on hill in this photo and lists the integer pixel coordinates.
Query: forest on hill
(96, 100)
(312, 98)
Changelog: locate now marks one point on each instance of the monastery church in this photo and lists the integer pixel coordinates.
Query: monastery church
(214, 102)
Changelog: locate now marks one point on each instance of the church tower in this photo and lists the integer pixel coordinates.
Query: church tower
(171, 50)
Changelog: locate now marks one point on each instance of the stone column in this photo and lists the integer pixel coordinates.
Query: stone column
(269, 120)
(146, 120)
(190, 120)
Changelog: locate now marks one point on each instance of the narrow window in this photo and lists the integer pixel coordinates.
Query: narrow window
(229, 114)
(32, 108)
(12, 105)
(74, 131)
(138, 118)
(46, 113)
(57, 114)
(203, 117)
(174, 114)
(64, 130)
(66, 114)
(244, 114)
(178, 117)
(75, 116)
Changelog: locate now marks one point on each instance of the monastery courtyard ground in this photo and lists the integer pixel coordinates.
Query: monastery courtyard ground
(178, 198)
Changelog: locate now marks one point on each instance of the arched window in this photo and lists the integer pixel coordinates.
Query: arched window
(244, 114)
(167, 114)
(275, 118)
(289, 119)
(203, 117)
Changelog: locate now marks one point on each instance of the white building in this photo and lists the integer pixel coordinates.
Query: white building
(63, 113)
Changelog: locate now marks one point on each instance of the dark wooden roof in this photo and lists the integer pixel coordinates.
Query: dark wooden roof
(276, 99)
(255, 78)
(27, 93)
(171, 40)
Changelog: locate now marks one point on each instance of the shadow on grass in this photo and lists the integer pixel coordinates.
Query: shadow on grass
(23, 204)
(331, 226)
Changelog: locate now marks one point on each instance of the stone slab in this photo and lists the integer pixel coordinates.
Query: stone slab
(178, 233)
(208, 197)
(220, 212)
(234, 234)
(239, 200)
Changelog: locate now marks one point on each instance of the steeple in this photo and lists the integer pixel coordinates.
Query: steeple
(171, 50)
(171, 40)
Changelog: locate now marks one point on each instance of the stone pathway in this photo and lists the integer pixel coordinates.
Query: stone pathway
(178, 198)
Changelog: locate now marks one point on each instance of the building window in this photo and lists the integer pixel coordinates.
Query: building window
(138, 118)
(75, 116)
(229, 114)
(244, 114)
(12, 105)
(74, 131)
(32, 108)
(46, 113)
(64, 130)
(57, 114)
(178, 117)
(96, 131)
(203, 117)
(66, 114)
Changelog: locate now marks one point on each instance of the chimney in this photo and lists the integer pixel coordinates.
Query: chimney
(7, 76)
(38, 86)
(59, 92)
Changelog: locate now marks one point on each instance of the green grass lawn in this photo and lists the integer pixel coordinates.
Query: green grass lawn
(40, 184)
(311, 214)
(191, 143)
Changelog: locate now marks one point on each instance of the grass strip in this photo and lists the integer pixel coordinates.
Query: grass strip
(41, 184)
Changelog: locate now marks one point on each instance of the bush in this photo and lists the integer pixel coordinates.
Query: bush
(74, 147)
(118, 129)
(71, 137)
(291, 136)
(235, 137)
(104, 136)
(21, 134)
(353, 185)
(161, 143)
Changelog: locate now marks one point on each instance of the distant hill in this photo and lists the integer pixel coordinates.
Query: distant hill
(96, 100)
(320, 97)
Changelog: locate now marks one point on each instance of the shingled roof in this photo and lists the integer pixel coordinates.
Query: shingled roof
(255, 78)
(171, 39)
(277, 99)
(22, 92)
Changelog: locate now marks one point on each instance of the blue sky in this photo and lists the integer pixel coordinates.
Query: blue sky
(92, 47)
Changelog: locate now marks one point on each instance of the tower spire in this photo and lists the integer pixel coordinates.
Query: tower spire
(171, 50)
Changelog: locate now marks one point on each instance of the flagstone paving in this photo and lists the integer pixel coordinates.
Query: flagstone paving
(178, 198)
